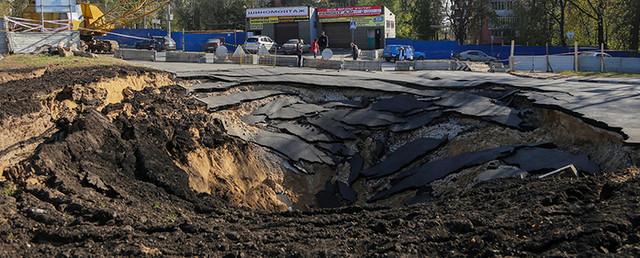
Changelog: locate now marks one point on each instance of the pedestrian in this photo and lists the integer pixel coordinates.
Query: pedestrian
(401, 53)
(355, 51)
(314, 48)
(323, 41)
(300, 51)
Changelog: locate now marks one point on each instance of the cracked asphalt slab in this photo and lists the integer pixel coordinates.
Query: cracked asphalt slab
(608, 103)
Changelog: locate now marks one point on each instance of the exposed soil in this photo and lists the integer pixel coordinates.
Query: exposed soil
(119, 161)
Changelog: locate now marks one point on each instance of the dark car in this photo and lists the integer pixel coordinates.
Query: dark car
(290, 47)
(158, 43)
(213, 44)
(475, 55)
(391, 53)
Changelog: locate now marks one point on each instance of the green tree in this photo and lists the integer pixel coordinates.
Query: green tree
(428, 14)
(533, 22)
(466, 16)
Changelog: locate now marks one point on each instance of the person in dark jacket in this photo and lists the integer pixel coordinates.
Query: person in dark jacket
(323, 41)
(300, 51)
(355, 51)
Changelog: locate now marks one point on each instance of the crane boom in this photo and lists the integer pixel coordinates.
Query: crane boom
(123, 13)
(95, 22)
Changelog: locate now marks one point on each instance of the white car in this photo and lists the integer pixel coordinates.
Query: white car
(596, 54)
(254, 43)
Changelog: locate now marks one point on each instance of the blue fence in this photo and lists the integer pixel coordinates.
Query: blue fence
(444, 49)
(131, 42)
(192, 41)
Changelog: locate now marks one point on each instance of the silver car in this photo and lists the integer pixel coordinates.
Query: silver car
(475, 55)
(596, 54)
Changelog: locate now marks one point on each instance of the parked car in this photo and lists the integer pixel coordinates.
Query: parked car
(158, 43)
(596, 54)
(475, 55)
(213, 44)
(391, 53)
(254, 43)
(289, 47)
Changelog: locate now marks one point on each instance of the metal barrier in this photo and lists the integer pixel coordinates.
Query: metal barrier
(584, 64)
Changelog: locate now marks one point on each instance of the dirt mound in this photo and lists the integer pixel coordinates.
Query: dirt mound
(588, 216)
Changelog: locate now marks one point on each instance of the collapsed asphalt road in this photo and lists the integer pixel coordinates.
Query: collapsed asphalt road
(121, 161)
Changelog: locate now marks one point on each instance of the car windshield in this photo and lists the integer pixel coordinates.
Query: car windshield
(252, 40)
(292, 41)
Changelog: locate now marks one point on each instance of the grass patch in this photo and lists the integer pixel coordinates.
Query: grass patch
(8, 189)
(14, 62)
(603, 75)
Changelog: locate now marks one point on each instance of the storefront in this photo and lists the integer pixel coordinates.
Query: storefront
(367, 26)
(282, 23)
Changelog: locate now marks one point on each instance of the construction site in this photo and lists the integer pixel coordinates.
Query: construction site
(101, 156)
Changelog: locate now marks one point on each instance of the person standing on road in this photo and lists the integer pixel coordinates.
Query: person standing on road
(315, 48)
(355, 51)
(323, 41)
(300, 51)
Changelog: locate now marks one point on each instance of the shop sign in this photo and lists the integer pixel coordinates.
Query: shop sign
(256, 26)
(278, 12)
(356, 11)
(360, 21)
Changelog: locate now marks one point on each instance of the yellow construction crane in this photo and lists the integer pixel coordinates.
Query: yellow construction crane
(94, 22)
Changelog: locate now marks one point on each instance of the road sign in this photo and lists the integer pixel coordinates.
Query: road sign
(222, 52)
(263, 50)
(570, 35)
(239, 52)
(327, 54)
(353, 25)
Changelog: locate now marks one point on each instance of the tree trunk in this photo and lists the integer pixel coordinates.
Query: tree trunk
(601, 39)
(635, 29)
(563, 36)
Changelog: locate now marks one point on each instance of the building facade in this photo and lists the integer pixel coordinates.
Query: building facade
(499, 30)
(282, 23)
(367, 26)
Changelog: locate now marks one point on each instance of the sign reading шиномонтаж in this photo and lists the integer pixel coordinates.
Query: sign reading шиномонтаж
(356, 11)
(278, 12)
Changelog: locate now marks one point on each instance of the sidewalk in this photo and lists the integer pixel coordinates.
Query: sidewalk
(574, 78)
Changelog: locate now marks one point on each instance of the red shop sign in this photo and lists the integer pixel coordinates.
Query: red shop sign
(349, 11)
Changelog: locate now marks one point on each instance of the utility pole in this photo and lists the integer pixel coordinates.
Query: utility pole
(169, 18)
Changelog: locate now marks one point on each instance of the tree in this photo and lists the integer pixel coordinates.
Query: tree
(467, 15)
(534, 24)
(427, 13)
(633, 17)
(558, 12)
(596, 10)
